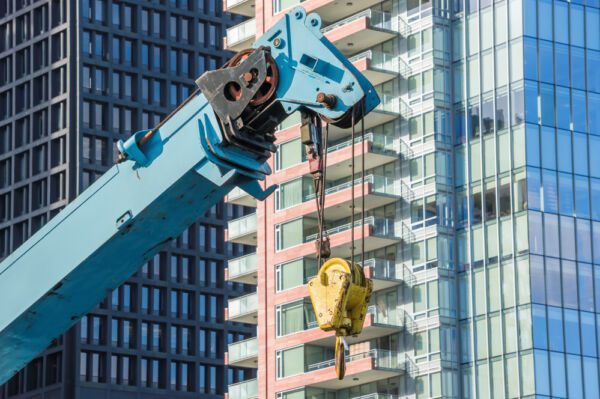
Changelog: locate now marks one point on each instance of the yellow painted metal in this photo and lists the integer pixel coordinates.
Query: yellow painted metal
(340, 296)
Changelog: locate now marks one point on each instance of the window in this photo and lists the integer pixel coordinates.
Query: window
(290, 362)
(295, 273)
(293, 193)
(289, 154)
(179, 376)
(153, 373)
(294, 317)
(122, 370)
(92, 366)
(289, 234)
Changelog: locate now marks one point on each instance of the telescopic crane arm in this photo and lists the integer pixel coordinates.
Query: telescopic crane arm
(218, 139)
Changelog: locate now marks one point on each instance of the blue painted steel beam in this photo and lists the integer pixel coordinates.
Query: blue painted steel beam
(125, 217)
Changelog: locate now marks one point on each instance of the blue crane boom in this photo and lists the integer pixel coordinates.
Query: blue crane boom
(220, 138)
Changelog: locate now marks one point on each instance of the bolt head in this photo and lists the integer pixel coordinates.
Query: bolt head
(248, 77)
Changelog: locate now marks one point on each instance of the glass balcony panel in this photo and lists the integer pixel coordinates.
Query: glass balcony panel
(243, 226)
(244, 390)
(241, 7)
(243, 305)
(242, 350)
(242, 266)
(241, 32)
(389, 316)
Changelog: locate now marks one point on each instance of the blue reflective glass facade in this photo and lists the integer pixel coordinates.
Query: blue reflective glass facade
(528, 257)
(562, 80)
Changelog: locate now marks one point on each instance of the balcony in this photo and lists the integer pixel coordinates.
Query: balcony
(386, 274)
(376, 396)
(242, 230)
(242, 269)
(378, 191)
(237, 196)
(379, 233)
(379, 322)
(243, 390)
(377, 66)
(361, 368)
(360, 31)
(241, 7)
(332, 10)
(241, 36)
(378, 151)
(243, 353)
(243, 309)
(430, 143)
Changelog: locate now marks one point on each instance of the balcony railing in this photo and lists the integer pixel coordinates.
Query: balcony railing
(244, 390)
(241, 32)
(376, 396)
(381, 227)
(242, 350)
(378, 19)
(242, 305)
(233, 3)
(392, 317)
(383, 359)
(242, 226)
(388, 270)
(380, 60)
(381, 184)
(403, 26)
(242, 265)
(394, 105)
(380, 142)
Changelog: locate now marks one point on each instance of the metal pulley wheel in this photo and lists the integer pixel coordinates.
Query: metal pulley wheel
(268, 87)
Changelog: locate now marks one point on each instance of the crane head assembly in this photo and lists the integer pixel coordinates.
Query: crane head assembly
(167, 177)
(291, 68)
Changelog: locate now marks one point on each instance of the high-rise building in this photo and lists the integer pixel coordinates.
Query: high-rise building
(482, 196)
(75, 77)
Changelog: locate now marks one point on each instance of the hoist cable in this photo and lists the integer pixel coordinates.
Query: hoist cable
(362, 179)
(324, 169)
(352, 193)
(319, 185)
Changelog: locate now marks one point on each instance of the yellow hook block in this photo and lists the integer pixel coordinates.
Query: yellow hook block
(340, 296)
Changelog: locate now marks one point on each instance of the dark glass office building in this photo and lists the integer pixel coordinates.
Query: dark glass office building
(75, 77)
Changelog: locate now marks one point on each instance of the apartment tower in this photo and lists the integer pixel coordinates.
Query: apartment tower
(482, 193)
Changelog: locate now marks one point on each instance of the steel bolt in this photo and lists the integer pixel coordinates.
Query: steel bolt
(328, 99)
